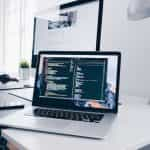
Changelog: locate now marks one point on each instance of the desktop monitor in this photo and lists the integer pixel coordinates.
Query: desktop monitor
(76, 26)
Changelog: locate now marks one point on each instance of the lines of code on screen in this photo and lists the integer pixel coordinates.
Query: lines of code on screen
(74, 78)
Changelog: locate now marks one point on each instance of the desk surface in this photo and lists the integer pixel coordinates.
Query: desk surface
(129, 130)
(4, 113)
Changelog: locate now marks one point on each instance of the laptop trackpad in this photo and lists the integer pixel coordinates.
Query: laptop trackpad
(48, 123)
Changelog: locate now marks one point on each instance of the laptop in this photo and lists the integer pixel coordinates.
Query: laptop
(75, 93)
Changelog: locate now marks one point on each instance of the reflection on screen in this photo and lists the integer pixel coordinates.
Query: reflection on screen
(85, 81)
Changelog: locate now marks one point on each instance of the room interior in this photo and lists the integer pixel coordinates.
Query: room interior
(119, 32)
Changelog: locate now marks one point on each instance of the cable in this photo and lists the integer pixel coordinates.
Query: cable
(29, 100)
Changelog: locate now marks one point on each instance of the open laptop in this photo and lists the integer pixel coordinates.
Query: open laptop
(75, 93)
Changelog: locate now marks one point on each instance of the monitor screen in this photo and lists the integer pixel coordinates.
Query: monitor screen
(82, 81)
(75, 26)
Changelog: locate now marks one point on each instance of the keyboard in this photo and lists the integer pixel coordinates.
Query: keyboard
(62, 114)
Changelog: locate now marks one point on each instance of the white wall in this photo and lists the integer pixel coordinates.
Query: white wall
(133, 39)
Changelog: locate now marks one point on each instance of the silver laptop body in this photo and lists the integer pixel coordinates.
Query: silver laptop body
(82, 85)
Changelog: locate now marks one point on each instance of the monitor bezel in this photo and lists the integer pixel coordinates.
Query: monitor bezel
(69, 5)
(64, 104)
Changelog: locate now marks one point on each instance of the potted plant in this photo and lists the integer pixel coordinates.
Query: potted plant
(24, 70)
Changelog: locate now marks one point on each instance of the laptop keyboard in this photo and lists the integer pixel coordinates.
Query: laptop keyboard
(61, 114)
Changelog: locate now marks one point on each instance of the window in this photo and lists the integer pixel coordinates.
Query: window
(1, 35)
(16, 30)
(12, 37)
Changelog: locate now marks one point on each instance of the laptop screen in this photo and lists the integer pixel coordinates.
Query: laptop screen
(84, 81)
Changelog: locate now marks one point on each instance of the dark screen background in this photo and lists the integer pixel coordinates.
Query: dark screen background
(80, 80)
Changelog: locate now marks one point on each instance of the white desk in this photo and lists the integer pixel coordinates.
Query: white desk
(131, 129)
(4, 113)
